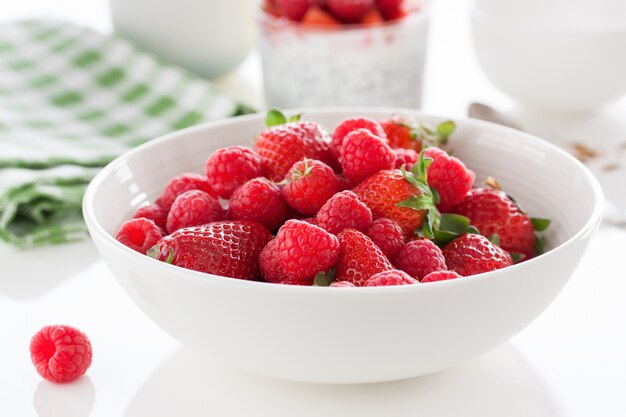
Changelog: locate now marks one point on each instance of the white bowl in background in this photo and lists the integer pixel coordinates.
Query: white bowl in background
(563, 55)
(348, 335)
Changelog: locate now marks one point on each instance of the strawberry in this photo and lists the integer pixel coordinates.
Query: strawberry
(391, 277)
(283, 144)
(293, 9)
(408, 133)
(344, 211)
(359, 258)
(305, 250)
(352, 124)
(473, 254)
(348, 11)
(227, 248)
(493, 212)
(419, 258)
(308, 185)
(316, 16)
(364, 154)
(449, 176)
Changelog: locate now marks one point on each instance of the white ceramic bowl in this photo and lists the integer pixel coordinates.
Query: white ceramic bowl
(563, 55)
(348, 335)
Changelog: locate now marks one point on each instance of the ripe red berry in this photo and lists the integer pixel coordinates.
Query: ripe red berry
(419, 258)
(348, 11)
(359, 258)
(270, 265)
(391, 277)
(387, 235)
(352, 124)
(229, 168)
(306, 249)
(473, 254)
(440, 276)
(60, 353)
(449, 176)
(194, 208)
(401, 134)
(180, 184)
(344, 210)
(283, 145)
(342, 284)
(227, 248)
(139, 234)
(294, 9)
(364, 154)
(318, 17)
(259, 200)
(493, 212)
(390, 9)
(406, 157)
(309, 184)
(153, 212)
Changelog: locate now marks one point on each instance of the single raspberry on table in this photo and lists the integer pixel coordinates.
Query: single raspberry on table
(228, 248)
(493, 212)
(342, 284)
(359, 258)
(259, 200)
(139, 234)
(387, 235)
(194, 208)
(180, 184)
(406, 157)
(293, 9)
(364, 154)
(153, 212)
(305, 250)
(283, 145)
(348, 11)
(308, 185)
(229, 168)
(344, 210)
(440, 276)
(473, 254)
(419, 258)
(60, 353)
(391, 277)
(449, 176)
(352, 124)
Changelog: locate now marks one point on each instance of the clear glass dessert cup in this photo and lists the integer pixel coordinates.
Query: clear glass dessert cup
(355, 65)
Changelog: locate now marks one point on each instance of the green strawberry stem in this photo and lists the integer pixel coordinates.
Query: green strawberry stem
(540, 224)
(324, 278)
(275, 117)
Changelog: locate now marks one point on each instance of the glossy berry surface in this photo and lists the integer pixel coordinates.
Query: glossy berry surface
(474, 254)
(139, 234)
(60, 353)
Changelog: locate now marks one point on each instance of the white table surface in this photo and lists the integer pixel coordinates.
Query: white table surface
(570, 362)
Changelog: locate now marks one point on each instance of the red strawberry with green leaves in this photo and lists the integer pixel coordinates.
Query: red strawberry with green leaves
(404, 132)
(286, 142)
(226, 248)
(472, 254)
(359, 258)
(493, 212)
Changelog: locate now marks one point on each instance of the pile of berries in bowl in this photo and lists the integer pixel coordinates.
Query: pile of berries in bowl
(307, 254)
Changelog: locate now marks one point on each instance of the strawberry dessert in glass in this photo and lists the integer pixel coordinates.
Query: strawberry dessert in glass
(343, 52)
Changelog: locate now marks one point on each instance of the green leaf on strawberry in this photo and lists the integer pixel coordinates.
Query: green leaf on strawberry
(295, 118)
(495, 239)
(540, 243)
(274, 117)
(540, 224)
(324, 278)
(517, 257)
(445, 130)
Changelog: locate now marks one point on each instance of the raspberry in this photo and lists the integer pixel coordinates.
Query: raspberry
(473, 254)
(259, 200)
(139, 234)
(182, 183)
(60, 353)
(351, 124)
(349, 11)
(388, 236)
(309, 184)
(294, 9)
(343, 182)
(228, 168)
(440, 276)
(420, 257)
(344, 210)
(194, 208)
(392, 277)
(305, 250)
(269, 263)
(406, 157)
(342, 284)
(359, 258)
(449, 176)
(364, 154)
(153, 212)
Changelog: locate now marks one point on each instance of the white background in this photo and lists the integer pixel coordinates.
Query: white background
(569, 362)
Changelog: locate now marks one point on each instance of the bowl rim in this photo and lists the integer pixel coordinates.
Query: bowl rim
(95, 227)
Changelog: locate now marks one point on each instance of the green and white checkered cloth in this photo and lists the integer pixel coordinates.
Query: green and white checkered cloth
(71, 100)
